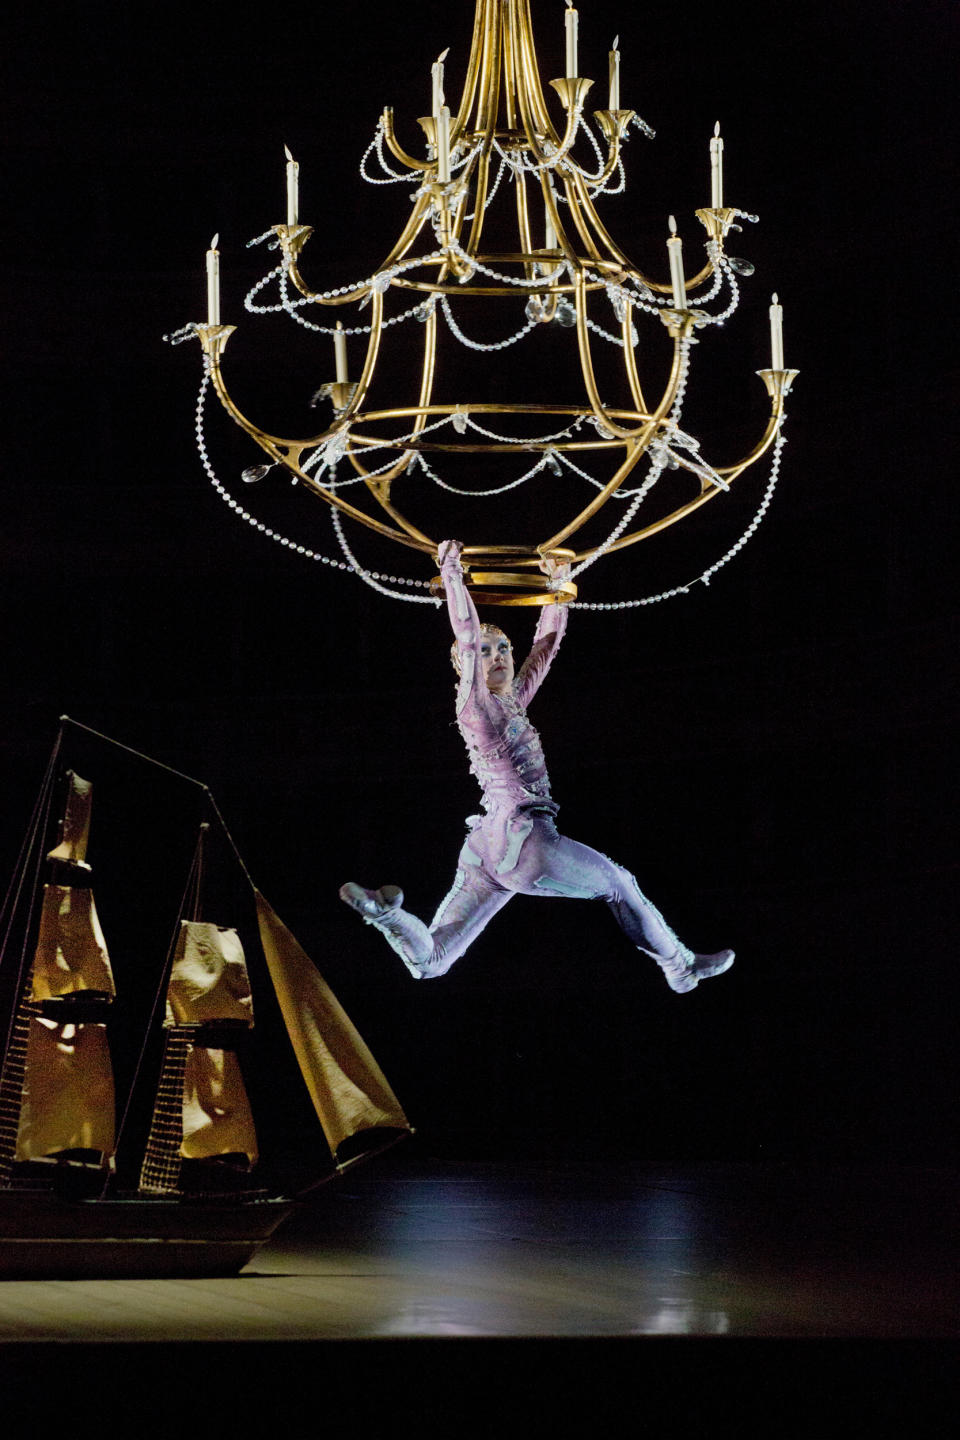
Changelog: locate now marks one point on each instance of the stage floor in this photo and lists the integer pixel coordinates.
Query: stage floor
(412, 1249)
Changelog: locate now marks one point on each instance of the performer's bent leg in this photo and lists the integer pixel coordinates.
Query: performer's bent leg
(550, 864)
(471, 903)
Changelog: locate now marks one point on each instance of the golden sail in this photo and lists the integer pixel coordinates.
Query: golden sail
(348, 1089)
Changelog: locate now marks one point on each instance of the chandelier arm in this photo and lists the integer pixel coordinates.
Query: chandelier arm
(474, 67)
(418, 218)
(630, 358)
(489, 71)
(426, 390)
(214, 338)
(480, 198)
(589, 378)
(638, 443)
(635, 451)
(409, 529)
(523, 225)
(393, 144)
(729, 472)
(570, 185)
(613, 152)
(530, 72)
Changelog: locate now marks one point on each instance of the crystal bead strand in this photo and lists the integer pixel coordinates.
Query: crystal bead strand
(705, 576)
(270, 534)
(373, 578)
(481, 494)
(477, 344)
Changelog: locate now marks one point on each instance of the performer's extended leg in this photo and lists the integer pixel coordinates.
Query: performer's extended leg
(550, 864)
(472, 901)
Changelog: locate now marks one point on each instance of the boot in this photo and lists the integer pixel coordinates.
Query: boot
(683, 974)
(383, 909)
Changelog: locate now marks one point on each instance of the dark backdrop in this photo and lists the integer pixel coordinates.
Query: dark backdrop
(772, 755)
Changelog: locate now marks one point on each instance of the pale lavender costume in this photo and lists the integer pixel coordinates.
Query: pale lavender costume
(514, 848)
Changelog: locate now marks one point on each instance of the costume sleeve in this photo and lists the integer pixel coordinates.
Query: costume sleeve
(546, 642)
(465, 624)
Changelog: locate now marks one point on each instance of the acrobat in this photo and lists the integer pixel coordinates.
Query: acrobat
(513, 847)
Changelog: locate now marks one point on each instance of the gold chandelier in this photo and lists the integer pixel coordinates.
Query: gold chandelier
(452, 266)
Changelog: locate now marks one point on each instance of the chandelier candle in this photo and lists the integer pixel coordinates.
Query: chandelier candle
(776, 334)
(443, 145)
(716, 169)
(213, 282)
(675, 252)
(293, 188)
(340, 353)
(615, 75)
(436, 71)
(571, 29)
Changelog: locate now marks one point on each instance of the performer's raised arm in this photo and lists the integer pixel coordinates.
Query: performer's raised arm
(551, 627)
(464, 622)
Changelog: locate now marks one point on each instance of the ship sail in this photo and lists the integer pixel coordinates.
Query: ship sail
(348, 1089)
(66, 1095)
(202, 1108)
(71, 954)
(75, 825)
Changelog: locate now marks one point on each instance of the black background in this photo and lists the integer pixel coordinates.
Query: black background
(774, 755)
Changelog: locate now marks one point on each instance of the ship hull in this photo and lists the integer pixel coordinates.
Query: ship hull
(46, 1237)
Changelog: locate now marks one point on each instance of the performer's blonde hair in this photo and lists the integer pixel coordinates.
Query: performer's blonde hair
(485, 629)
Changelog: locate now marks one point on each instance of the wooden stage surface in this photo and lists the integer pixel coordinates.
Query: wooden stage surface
(414, 1273)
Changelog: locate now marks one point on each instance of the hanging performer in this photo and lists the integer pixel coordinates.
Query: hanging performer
(514, 848)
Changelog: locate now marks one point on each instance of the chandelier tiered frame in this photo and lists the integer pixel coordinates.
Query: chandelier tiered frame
(503, 123)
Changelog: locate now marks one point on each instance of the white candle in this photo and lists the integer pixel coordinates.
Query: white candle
(716, 169)
(571, 31)
(213, 282)
(293, 189)
(615, 75)
(675, 252)
(443, 145)
(549, 234)
(776, 335)
(436, 71)
(340, 351)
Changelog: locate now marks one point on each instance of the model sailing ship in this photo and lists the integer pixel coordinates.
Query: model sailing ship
(198, 1207)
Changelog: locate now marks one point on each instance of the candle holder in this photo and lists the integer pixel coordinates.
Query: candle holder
(292, 240)
(778, 382)
(214, 339)
(428, 124)
(679, 323)
(340, 393)
(613, 123)
(716, 222)
(572, 90)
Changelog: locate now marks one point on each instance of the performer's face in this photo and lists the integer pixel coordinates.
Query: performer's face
(496, 656)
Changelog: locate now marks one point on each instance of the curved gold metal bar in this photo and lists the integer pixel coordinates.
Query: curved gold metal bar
(630, 358)
(729, 472)
(288, 452)
(632, 458)
(635, 448)
(479, 199)
(385, 480)
(474, 65)
(529, 74)
(593, 256)
(427, 287)
(589, 378)
(393, 144)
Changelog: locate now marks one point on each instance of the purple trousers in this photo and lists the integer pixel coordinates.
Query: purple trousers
(523, 854)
